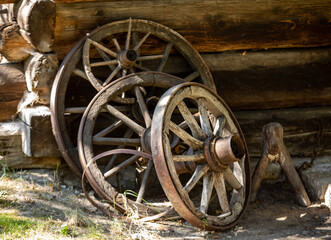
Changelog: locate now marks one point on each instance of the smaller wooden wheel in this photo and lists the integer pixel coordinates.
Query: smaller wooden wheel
(214, 194)
(114, 144)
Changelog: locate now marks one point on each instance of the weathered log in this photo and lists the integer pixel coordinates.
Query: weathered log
(216, 26)
(273, 149)
(40, 71)
(12, 87)
(12, 45)
(37, 21)
(302, 127)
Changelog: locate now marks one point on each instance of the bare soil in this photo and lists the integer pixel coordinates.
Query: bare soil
(57, 196)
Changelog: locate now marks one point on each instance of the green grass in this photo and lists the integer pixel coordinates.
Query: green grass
(15, 226)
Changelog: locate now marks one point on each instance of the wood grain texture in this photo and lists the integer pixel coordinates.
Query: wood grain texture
(37, 22)
(216, 25)
(301, 127)
(12, 87)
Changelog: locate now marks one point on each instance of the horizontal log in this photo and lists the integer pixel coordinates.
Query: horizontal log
(12, 45)
(216, 26)
(302, 127)
(12, 87)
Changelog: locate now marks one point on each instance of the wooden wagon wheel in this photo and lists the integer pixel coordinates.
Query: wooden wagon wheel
(107, 53)
(118, 179)
(215, 194)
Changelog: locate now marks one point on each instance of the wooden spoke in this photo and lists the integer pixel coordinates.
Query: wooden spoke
(152, 57)
(112, 75)
(75, 110)
(128, 36)
(103, 48)
(221, 191)
(99, 64)
(196, 176)
(80, 73)
(204, 118)
(143, 107)
(127, 121)
(118, 47)
(142, 189)
(121, 166)
(219, 126)
(192, 76)
(124, 72)
(188, 158)
(109, 129)
(141, 67)
(127, 134)
(165, 57)
(231, 179)
(141, 41)
(207, 189)
(116, 141)
(192, 123)
(187, 138)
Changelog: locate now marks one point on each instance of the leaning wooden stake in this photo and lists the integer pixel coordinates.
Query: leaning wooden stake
(273, 149)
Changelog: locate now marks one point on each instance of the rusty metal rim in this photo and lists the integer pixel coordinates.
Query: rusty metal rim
(163, 171)
(129, 79)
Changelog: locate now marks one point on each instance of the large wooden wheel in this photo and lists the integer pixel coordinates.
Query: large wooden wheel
(106, 54)
(114, 144)
(214, 194)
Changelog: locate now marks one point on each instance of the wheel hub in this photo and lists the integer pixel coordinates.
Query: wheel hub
(221, 152)
(128, 58)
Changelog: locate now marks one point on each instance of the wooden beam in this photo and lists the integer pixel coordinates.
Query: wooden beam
(12, 87)
(217, 25)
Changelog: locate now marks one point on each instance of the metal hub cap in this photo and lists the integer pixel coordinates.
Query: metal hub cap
(128, 58)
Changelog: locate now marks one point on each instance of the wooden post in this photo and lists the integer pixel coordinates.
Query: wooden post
(273, 149)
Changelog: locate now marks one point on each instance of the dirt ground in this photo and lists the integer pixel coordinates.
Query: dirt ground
(56, 197)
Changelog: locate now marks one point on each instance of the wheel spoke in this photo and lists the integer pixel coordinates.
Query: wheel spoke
(188, 158)
(231, 179)
(124, 72)
(127, 121)
(109, 129)
(165, 57)
(99, 64)
(121, 166)
(151, 57)
(113, 158)
(141, 41)
(192, 76)
(128, 36)
(196, 176)
(103, 48)
(143, 107)
(192, 123)
(80, 73)
(221, 192)
(219, 126)
(142, 189)
(112, 75)
(118, 47)
(116, 141)
(204, 119)
(76, 110)
(187, 138)
(207, 189)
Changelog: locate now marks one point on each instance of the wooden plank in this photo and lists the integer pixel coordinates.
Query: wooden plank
(216, 26)
(12, 87)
